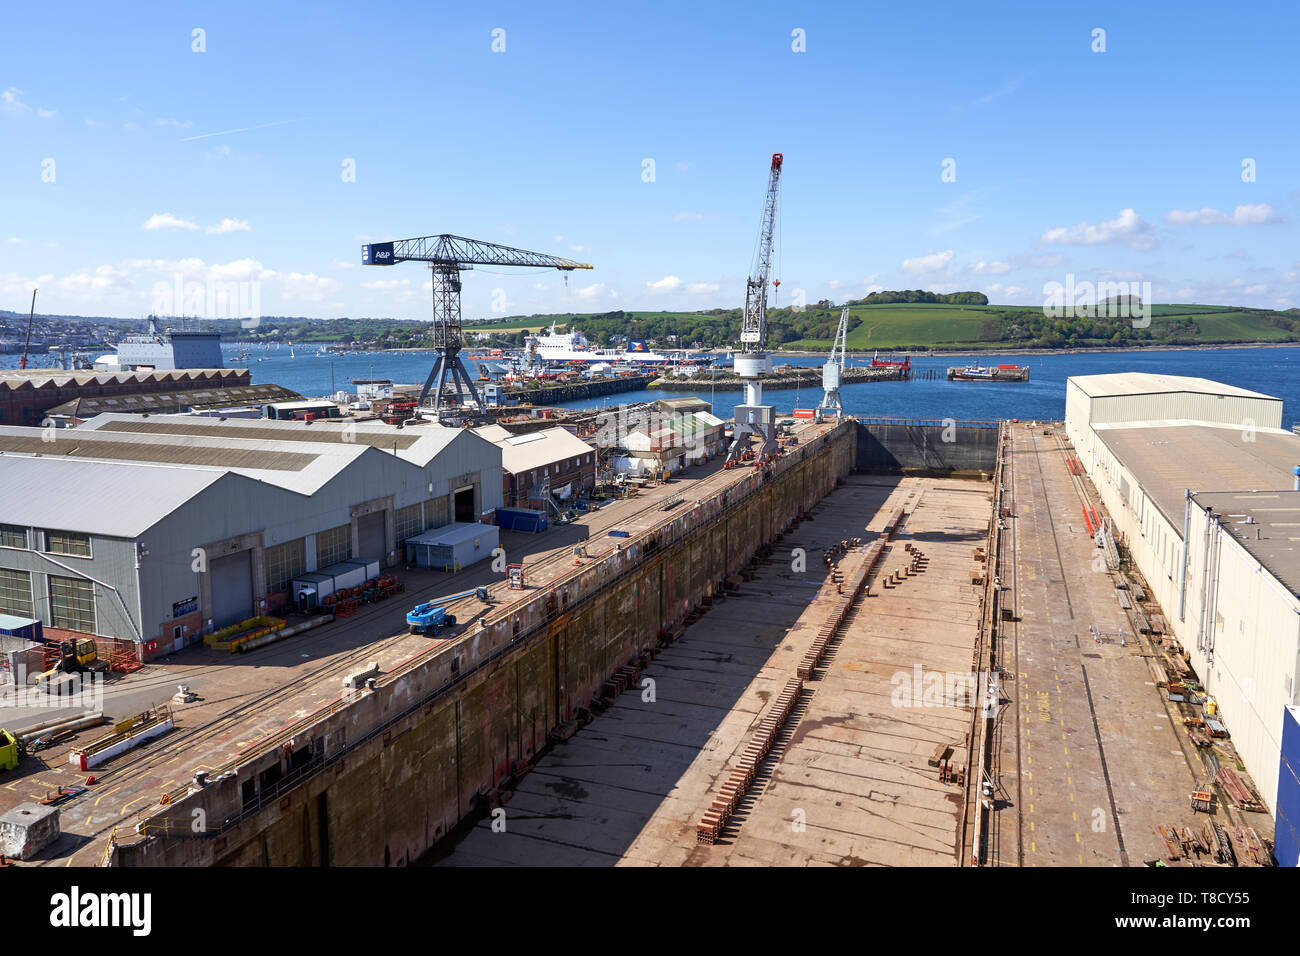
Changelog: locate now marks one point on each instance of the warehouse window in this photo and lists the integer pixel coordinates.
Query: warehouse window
(333, 546)
(72, 604)
(284, 562)
(15, 592)
(440, 513)
(12, 536)
(408, 521)
(68, 542)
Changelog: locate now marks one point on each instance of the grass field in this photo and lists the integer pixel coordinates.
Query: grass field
(947, 326)
(919, 326)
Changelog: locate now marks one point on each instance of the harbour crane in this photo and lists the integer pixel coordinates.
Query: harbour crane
(448, 256)
(833, 371)
(753, 417)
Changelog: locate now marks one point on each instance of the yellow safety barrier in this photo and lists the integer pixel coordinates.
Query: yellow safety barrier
(222, 640)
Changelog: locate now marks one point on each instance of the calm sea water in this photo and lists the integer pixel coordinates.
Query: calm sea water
(1273, 371)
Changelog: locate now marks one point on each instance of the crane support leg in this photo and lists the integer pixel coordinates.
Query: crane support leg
(449, 369)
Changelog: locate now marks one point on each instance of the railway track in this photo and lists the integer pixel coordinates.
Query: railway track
(142, 762)
(145, 760)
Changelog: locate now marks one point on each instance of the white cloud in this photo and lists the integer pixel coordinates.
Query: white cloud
(1000, 294)
(174, 124)
(43, 113)
(595, 291)
(388, 285)
(930, 262)
(1005, 90)
(579, 248)
(1246, 215)
(703, 288)
(12, 101)
(666, 284)
(308, 287)
(982, 268)
(688, 217)
(1128, 228)
(230, 225)
(165, 220)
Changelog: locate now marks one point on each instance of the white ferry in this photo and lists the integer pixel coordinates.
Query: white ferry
(572, 348)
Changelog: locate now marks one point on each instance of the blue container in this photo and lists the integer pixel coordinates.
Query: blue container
(24, 627)
(520, 519)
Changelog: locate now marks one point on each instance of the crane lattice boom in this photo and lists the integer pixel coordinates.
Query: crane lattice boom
(459, 251)
(447, 257)
(753, 330)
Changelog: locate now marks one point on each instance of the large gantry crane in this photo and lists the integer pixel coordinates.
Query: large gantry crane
(755, 418)
(449, 256)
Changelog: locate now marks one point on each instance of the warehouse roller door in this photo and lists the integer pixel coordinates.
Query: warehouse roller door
(372, 542)
(232, 589)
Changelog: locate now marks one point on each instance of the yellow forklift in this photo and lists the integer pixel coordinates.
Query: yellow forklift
(76, 656)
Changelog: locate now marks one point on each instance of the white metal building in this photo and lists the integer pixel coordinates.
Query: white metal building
(160, 529)
(1198, 480)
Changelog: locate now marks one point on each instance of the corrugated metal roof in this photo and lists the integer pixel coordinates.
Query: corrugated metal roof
(452, 534)
(360, 433)
(71, 443)
(37, 377)
(1167, 459)
(108, 498)
(1275, 517)
(520, 453)
(166, 401)
(1147, 383)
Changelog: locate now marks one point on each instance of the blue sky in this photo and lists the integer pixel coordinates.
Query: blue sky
(1122, 165)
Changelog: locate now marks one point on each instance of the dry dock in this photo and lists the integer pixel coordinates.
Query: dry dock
(821, 634)
(849, 781)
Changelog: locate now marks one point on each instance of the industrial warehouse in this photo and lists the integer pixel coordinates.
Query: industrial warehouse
(1200, 482)
(109, 527)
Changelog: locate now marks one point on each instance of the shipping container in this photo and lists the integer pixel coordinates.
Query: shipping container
(455, 545)
(521, 519)
(25, 627)
(318, 585)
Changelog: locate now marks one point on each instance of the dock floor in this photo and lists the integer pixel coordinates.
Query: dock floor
(1091, 757)
(848, 782)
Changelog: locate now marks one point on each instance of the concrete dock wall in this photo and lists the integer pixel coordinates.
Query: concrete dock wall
(380, 778)
(941, 448)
